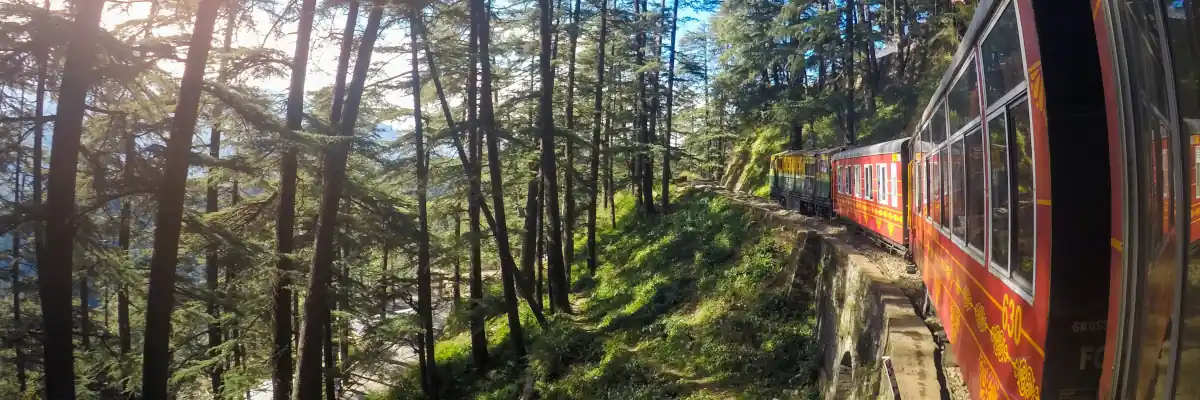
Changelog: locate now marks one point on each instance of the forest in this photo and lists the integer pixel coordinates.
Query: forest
(418, 199)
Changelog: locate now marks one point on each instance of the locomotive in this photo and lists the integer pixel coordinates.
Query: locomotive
(1049, 198)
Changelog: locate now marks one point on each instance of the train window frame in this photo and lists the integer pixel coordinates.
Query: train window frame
(958, 172)
(868, 183)
(881, 171)
(970, 65)
(1025, 290)
(1005, 98)
(893, 172)
(939, 115)
(857, 182)
(975, 251)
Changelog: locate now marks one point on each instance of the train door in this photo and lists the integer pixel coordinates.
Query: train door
(1155, 321)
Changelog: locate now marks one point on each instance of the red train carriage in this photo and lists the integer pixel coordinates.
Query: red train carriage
(1149, 52)
(869, 191)
(1017, 115)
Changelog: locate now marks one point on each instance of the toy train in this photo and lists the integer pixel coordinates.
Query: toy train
(1049, 197)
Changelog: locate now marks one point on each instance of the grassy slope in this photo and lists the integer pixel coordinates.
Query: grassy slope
(691, 305)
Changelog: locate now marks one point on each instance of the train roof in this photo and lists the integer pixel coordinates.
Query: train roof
(808, 152)
(893, 146)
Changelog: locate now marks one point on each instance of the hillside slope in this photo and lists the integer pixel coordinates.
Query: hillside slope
(691, 305)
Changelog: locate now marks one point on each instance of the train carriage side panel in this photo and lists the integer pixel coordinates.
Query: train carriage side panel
(1016, 335)
(876, 200)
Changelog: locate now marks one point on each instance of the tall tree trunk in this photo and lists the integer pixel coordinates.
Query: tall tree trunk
(124, 333)
(328, 373)
(597, 114)
(212, 205)
(655, 96)
(666, 177)
(569, 171)
(54, 274)
(522, 281)
(285, 216)
(424, 284)
(456, 290)
(642, 165)
(533, 214)
(479, 351)
(316, 303)
(556, 270)
(487, 122)
(15, 268)
(169, 221)
(85, 318)
(541, 249)
(849, 78)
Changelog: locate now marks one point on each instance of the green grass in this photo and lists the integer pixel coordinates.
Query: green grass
(688, 305)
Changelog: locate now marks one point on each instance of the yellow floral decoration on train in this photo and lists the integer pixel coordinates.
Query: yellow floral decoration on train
(1037, 87)
(989, 384)
(1026, 385)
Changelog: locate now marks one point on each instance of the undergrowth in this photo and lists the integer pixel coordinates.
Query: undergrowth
(685, 305)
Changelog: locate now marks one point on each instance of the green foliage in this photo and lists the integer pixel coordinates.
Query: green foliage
(683, 306)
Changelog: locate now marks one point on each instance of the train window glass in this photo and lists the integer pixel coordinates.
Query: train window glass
(926, 185)
(938, 125)
(1003, 66)
(975, 192)
(958, 188)
(868, 183)
(857, 182)
(1185, 53)
(942, 202)
(915, 192)
(1023, 196)
(883, 183)
(998, 170)
(1147, 125)
(964, 98)
(947, 179)
(895, 185)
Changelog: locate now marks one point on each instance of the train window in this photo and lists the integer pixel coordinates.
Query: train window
(937, 173)
(998, 169)
(857, 181)
(1003, 66)
(1185, 55)
(975, 189)
(926, 185)
(958, 191)
(895, 185)
(963, 100)
(937, 126)
(915, 192)
(868, 183)
(945, 187)
(883, 183)
(1023, 197)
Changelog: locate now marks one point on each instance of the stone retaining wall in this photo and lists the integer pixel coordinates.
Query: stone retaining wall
(864, 317)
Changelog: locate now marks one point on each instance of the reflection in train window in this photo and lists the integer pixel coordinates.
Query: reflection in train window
(868, 183)
(1023, 197)
(1185, 36)
(998, 169)
(1003, 67)
(958, 187)
(938, 125)
(964, 98)
(857, 181)
(883, 183)
(976, 177)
